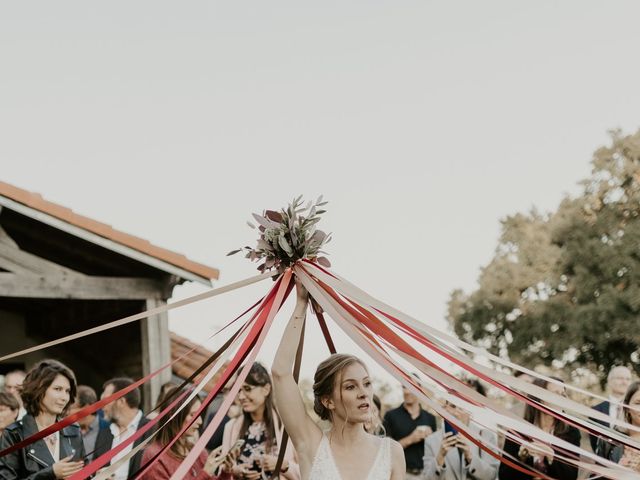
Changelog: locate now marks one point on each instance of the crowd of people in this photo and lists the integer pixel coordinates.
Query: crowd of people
(358, 441)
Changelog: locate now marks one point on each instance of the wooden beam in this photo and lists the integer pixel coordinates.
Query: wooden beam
(156, 352)
(5, 239)
(81, 287)
(19, 261)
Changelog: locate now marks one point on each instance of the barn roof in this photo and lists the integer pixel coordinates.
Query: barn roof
(34, 206)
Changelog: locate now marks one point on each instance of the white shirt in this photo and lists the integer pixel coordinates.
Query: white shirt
(122, 473)
(613, 409)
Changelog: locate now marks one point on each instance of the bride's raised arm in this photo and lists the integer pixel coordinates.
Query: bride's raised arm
(300, 427)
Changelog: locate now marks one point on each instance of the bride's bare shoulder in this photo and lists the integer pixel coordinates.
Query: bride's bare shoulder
(398, 465)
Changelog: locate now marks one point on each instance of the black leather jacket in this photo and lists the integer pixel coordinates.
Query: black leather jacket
(34, 462)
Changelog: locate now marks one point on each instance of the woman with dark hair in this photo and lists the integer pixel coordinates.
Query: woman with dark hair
(541, 457)
(165, 391)
(627, 457)
(343, 395)
(256, 433)
(203, 468)
(9, 408)
(47, 392)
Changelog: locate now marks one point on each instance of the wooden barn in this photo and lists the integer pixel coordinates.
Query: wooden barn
(61, 273)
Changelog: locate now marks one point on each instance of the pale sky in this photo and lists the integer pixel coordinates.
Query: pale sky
(423, 123)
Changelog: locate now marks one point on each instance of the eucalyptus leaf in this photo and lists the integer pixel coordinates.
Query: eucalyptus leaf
(318, 236)
(324, 262)
(273, 216)
(285, 245)
(265, 222)
(263, 244)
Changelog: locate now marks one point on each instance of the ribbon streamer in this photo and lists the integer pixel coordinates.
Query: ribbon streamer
(421, 332)
(284, 288)
(380, 331)
(345, 314)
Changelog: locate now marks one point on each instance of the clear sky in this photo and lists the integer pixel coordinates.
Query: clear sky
(423, 123)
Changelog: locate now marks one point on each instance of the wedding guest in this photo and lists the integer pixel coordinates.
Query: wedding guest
(449, 455)
(165, 389)
(410, 424)
(13, 384)
(9, 408)
(47, 392)
(518, 406)
(375, 425)
(169, 461)
(90, 424)
(628, 457)
(342, 395)
(258, 430)
(234, 411)
(618, 382)
(542, 457)
(126, 418)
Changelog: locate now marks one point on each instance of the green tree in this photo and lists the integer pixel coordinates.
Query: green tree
(563, 289)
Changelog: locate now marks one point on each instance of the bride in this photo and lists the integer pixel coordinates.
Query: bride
(342, 395)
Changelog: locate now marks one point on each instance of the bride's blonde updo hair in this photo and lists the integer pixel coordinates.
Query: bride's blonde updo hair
(328, 375)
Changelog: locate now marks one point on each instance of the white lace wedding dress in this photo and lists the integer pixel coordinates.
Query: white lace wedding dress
(324, 466)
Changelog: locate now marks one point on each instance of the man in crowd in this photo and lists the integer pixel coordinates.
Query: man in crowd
(126, 418)
(91, 424)
(618, 382)
(13, 385)
(409, 424)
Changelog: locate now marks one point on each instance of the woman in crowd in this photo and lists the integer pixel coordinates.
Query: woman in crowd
(627, 457)
(165, 390)
(168, 462)
(47, 392)
(9, 408)
(449, 455)
(254, 436)
(542, 457)
(374, 425)
(343, 396)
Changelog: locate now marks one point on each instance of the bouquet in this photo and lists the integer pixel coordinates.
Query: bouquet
(288, 236)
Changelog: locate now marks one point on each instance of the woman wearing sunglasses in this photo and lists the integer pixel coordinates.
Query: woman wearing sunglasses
(253, 438)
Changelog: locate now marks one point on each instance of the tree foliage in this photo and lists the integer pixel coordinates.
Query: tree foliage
(563, 288)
